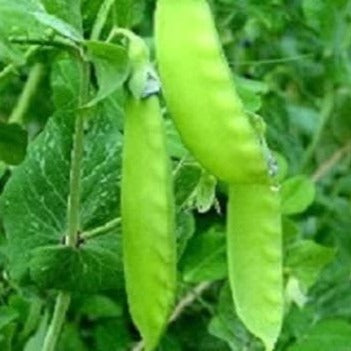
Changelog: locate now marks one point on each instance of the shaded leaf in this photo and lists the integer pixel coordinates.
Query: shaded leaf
(205, 257)
(13, 143)
(297, 194)
(111, 64)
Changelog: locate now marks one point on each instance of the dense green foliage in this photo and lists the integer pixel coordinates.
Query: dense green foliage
(61, 137)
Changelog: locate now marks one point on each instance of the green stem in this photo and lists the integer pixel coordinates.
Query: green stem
(327, 108)
(53, 333)
(11, 68)
(23, 103)
(101, 19)
(56, 42)
(101, 230)
(77, 155)
(32, 319)
(63, 298)
(7, 70)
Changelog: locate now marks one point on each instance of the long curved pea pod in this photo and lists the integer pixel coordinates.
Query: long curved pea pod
(148, 220)
(200, 93)
(254, 243)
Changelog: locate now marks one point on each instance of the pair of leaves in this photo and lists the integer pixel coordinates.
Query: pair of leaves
(35, 203)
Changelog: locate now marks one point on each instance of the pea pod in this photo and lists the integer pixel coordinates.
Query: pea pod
(255, 258)
(147, 219)
(201, 95)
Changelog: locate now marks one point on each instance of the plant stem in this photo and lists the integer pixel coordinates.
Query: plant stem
(63, 298)
(101, 230)
(77, 155)
(23, 103)
(328, 164)
(101, 19)
(11, 68)
(327, 108)
(32, 320)
(53, 333)
(56, 42)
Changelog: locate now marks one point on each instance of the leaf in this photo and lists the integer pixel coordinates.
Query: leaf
(129, 12)
(7, 316)
(16, 18)
(59, 25)
(112, 334)
(294, 293)
(6, 337)
(35, 199)
(341, 122)
(9, 54)
(206, 192)
(326, 335)
(187, 178)
(184, 231)
(36, 341)
(66, 10)
(13, 143)
(99, 306)
(226, 325)
(87, 269)
(205, 257)
(65, 82)
(112, 69)
(306, 259)
(71, 339)
(248, 91)
(297, 194)
(174, 144)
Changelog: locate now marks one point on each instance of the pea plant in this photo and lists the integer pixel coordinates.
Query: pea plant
(175, 175)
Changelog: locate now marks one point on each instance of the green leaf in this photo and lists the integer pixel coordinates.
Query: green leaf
(59, 25)
(6, 337)
(112, 335)
(248, 91)
(341, 121)
(205, 257)
(67, 10)
(13, 143)
(71, 339)
(294, 293)
(326, 335)
(206, 192)
(174, 144)
(227, 326)
(36, 341)
(129, 12)
(65, 82)
(297, 194)
(87, 269)
(9, 54)
(99, 306)
(16, 18)
(111, 64)
(35, 199)
(7, 316)
(187, 178)
(306, 259)
(184, 231)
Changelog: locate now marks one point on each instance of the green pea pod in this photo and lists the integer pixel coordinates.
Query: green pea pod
(201, 95)
(148, 219)
(254, 242)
